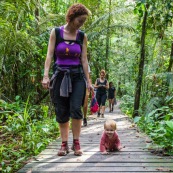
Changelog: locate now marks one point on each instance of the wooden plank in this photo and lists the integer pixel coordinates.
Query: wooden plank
(94, 143)
(88, 150)
(98, 153)
(96, 148)
(109, 158)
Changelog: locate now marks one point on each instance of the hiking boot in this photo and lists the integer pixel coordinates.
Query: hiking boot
(98, 114)
(64, 149)
(84, 122)
(76, 147)
(102, 115)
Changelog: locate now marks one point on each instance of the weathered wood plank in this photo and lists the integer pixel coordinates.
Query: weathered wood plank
(96, 148)
(87, 151)
(94, 143)
(110, 158)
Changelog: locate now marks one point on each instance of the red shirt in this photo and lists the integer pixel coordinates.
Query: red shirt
(107, 144)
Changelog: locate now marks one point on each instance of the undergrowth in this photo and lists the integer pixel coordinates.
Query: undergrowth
(156, 120)
(25, 130)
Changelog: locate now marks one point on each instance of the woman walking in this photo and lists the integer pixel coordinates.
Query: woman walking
(67, 85)
(111, 96)
(101, 94)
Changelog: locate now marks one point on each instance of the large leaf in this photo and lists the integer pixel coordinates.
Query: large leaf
(169, 124)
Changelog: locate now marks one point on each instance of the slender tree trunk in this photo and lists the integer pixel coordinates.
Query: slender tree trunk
(119, 92)
(15, 82)
(37, 14)
(171, 59)
(1, 64)
(107, 38)
(169, 70)
(141, 66)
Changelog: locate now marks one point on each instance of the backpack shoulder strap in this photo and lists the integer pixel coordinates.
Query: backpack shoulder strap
(58, 39)
(81, 37)
(106, 81)
(58, 36)
(98, 81)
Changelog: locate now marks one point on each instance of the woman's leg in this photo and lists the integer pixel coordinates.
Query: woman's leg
(85, 108)
(76, 128)
(64, 131)
(99, 110)
(98, 97)
(103, 101)
(103, 111)
(110, 105)
(62, 111)
(76, 100)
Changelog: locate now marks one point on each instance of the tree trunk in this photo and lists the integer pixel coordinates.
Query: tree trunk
(107, 38)
(15, 82)
(169, 70)
(171, 59)
(141, 66)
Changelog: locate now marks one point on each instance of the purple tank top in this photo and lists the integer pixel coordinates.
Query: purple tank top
(67, 54)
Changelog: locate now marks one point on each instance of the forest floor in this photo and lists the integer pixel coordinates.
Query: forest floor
(139, 154)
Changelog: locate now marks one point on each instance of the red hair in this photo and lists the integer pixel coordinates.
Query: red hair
(75, 11)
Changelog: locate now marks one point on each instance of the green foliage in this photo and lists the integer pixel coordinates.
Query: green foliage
(24, 135)
(127, 103)
(158, 124)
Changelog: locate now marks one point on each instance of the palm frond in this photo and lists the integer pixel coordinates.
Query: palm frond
(153, 104)
(112, 29)
(118, 12)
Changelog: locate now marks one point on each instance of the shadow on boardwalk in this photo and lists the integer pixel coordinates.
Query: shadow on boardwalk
(134, 157)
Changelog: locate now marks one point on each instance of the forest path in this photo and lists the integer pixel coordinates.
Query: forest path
(136, 156)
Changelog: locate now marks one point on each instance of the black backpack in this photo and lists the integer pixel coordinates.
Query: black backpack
(59, 39)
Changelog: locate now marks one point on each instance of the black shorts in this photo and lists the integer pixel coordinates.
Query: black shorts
(66, 107)
(111, 96)
(101, 98)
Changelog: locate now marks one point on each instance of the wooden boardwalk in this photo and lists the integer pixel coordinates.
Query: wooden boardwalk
(134, 157)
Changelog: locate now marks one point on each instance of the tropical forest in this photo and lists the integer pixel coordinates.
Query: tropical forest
(132, 40)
